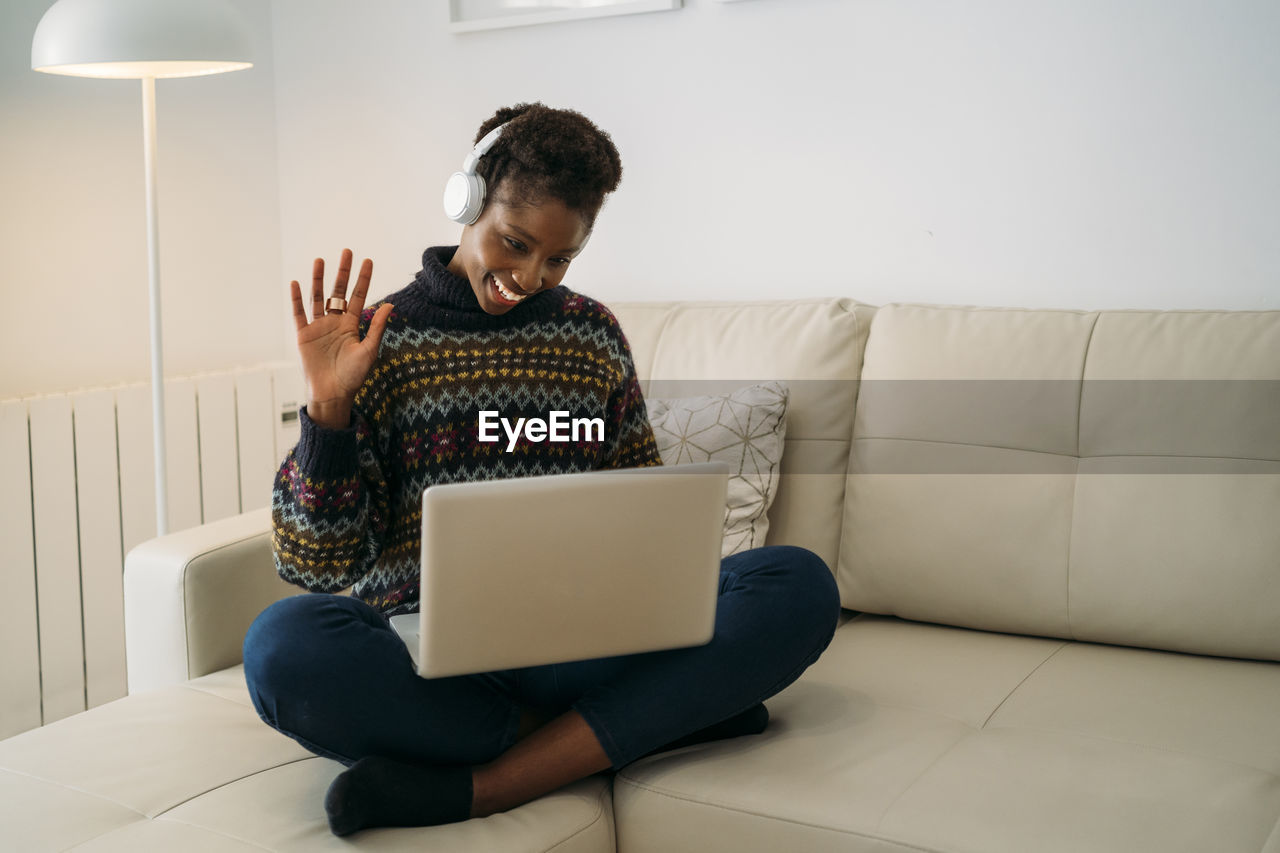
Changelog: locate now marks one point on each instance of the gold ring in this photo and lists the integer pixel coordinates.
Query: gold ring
(335, 305)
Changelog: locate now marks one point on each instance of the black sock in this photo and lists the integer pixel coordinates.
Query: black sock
(750, 722)
(378, 791)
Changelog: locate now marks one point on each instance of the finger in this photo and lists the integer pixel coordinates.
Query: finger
(376, 327)
(344, 273)
(317, 289)
(356, 304)
(299, 313)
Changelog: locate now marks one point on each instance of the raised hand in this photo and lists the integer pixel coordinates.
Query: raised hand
(334, 359)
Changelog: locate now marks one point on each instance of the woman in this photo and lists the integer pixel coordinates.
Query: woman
(394, 394)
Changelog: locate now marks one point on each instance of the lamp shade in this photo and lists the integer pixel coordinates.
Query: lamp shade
(140, 38)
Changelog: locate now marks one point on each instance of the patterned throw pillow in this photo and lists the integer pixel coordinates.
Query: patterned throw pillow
(744, 428)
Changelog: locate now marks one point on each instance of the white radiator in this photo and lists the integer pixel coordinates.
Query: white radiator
(77, 492)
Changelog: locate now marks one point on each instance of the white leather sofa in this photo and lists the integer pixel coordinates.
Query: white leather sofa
(1057, 537)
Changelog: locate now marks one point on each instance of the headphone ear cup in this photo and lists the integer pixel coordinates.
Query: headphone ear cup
(464, 197)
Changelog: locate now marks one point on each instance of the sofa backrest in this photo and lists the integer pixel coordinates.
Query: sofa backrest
(686, 349)
(1111, 477)
(1104, 476)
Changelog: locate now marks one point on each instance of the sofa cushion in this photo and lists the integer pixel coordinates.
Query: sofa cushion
(1174, 541)
(962, 469)
(908, 736)
(151, 751)
(745, 429)
(686, 349)
(1104, 477)
(191, 767)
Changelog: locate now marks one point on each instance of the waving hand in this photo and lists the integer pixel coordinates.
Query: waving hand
(335, 360)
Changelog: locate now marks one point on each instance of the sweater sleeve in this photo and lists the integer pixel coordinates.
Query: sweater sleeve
(629, 438)
(329, 506)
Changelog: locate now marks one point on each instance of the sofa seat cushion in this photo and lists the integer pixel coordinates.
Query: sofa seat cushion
(909, 736)
(192, 768)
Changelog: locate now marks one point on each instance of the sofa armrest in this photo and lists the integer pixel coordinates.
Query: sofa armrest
(189, 598)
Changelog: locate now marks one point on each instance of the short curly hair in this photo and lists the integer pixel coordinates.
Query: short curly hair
(545, 152)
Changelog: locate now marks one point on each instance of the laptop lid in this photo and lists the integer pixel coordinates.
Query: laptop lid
(539, 570)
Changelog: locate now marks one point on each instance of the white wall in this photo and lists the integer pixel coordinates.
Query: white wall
(1062, 153)
(73, 242)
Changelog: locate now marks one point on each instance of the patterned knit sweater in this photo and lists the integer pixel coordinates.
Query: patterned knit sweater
(347, 503)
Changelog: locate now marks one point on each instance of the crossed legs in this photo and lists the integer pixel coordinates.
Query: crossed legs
(330, 673)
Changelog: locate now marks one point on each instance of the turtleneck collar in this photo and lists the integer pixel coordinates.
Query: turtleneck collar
(443, 299)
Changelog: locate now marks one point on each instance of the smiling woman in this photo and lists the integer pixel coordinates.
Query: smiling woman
(409, 393)
(550, 176)
(507, 262)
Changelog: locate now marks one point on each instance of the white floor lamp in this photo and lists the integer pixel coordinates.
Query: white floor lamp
(144, 39)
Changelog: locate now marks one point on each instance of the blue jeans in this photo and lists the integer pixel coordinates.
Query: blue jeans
(329, 672)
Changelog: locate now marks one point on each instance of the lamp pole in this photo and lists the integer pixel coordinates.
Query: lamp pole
(153, 276)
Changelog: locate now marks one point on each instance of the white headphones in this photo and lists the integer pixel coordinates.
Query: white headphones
(464, 192)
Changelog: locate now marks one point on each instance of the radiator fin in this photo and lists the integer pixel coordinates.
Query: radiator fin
(19, 630)
(53, 504)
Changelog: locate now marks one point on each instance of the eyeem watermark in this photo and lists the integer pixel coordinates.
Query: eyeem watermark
(557, 427)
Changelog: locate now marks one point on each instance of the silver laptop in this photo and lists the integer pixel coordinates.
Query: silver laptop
(551, 569)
